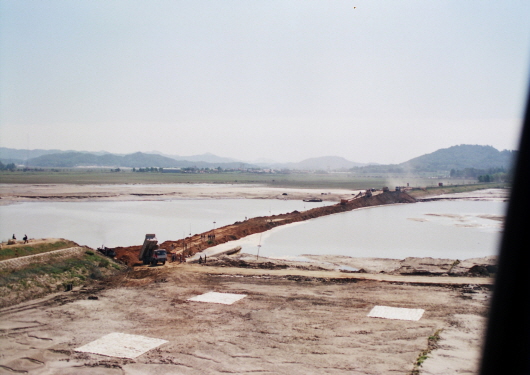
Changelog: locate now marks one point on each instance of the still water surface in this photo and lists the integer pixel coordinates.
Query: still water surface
(126, 223)
(443, 229)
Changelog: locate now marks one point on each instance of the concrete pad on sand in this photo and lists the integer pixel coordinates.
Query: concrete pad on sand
(214, 297)
(399, 313)
(121, 345)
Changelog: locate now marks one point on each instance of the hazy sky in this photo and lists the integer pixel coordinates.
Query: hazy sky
(368, 80)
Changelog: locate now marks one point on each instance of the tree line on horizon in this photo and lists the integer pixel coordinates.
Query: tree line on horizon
(462, 160)
(457, 161)
(7, 167)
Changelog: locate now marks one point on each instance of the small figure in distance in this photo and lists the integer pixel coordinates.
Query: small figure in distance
(25, 238)
(14, 238)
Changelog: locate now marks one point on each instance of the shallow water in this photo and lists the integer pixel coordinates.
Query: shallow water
(443, 229)
(126, 223)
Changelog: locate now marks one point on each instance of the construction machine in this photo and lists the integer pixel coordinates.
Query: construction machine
(151, 253)
(107, 251)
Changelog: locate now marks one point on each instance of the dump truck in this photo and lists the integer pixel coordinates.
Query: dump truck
(151, 253)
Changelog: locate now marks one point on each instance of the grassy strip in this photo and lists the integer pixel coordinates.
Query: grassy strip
(15, 251)
(298, 180)
(38, 279)
(432, 343)
(75, 267)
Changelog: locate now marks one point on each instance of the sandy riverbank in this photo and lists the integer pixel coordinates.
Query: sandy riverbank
(496, 195)
(13, 193)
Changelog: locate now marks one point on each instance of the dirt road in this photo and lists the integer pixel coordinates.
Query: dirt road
(346, 276)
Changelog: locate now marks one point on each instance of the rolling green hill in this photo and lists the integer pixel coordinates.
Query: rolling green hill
(136, 160)
(441, 161)
(447, 159)
(461, 157)
(79, 159)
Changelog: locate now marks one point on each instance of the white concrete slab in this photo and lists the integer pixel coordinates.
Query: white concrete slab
(121, 345)
(398, 313)
(214, 297)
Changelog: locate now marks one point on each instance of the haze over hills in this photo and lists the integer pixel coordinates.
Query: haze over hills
(20, 155)
(455, 157)
(206, 157)
(136, 160)
(461, 157)
(324, 163)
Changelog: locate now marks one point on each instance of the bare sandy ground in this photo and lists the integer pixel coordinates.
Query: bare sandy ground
(499, 195)
(286, 324)
(12, 193)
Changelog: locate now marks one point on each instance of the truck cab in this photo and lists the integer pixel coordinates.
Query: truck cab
(159, 255)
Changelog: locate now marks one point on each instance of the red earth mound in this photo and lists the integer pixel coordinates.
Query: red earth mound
(196, 243)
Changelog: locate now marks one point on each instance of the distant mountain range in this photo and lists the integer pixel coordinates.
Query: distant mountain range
(136, 160)
(22, 155)
(456, 157)
(207, 157)
(70, 159)
(324, 163)
(461, 157)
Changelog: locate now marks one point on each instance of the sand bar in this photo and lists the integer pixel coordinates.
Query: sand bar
(12, 193)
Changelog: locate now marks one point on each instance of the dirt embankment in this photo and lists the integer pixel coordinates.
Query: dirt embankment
(199, 242)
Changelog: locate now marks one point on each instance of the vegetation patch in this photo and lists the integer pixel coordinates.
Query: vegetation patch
(286, 179)
(15, 251)
(453, 265)
(432, 343)
(53, 275)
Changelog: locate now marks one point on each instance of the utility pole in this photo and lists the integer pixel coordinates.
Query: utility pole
(259, 245)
